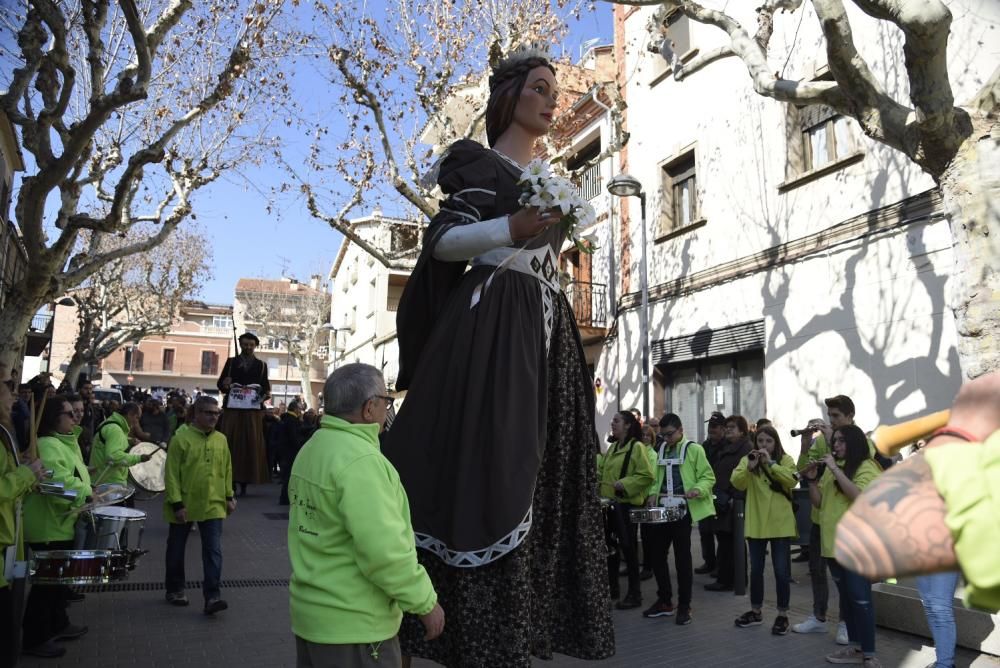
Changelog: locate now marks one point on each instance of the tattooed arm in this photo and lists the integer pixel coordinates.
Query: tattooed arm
(897, 527)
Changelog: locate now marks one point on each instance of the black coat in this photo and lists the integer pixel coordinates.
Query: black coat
(727, 458)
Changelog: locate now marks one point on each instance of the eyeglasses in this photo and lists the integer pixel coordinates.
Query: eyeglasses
(211, 413)
(389, 401)
(668, 434)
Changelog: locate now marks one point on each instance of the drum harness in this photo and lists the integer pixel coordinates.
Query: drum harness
(669, 464)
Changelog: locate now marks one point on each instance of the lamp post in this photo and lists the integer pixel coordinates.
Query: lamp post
(288, 341)
(328, 327)
(625, 185)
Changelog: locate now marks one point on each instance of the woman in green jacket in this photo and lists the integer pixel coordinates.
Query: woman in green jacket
(767, 475)
(624, 475)
(48, 525)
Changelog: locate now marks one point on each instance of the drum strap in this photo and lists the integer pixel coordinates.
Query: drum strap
(625, 462)
(671, 463)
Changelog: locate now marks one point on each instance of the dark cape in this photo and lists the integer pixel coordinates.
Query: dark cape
(495, 442)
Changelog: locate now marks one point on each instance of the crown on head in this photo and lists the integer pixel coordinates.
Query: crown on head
(519, 53)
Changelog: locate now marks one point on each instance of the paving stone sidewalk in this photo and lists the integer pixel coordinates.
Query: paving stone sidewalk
(131, 626)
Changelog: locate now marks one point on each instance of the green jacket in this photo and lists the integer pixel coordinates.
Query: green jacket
(834, 504)
(199, 475)
(816, 452)
(350, 541)
(696, 473)
(47, 518)
(768, 513)
(638, 477)
(15, 482)
(111, 445)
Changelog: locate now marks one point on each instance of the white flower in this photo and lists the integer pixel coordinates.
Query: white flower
(535, 172)
(563, 195)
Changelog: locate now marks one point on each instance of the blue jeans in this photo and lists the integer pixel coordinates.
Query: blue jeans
(781, 561)
(856, 608)
(937, 593)
(211, 556)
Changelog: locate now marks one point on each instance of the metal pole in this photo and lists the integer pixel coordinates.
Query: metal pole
(644, 312)
(288, 363)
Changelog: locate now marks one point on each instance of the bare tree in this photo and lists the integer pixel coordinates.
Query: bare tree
(125, 112)
(292, 314)
(129, 299)
(395, 75)
(957, 145)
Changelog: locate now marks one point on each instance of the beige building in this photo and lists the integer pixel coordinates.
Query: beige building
(190, 356)
(289, 318)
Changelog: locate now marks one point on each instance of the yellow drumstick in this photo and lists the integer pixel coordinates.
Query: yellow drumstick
(890, 439)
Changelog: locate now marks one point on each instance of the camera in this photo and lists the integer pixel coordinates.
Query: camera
(807, 430)
(753, 455)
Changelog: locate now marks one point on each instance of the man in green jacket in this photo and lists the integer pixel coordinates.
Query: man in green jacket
(199, 488)
(109, 457)
(350, 542)
(682, 472)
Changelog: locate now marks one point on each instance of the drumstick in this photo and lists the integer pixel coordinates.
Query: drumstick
(33, 432)
(890, 439)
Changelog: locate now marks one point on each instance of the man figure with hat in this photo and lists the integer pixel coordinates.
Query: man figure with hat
(716, 435)
(245, 386)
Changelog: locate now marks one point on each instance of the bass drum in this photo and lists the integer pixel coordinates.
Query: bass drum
(149, 477)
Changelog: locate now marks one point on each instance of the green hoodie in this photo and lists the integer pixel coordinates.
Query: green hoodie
(198, 474)
(15, 482)
(350, 541)
(768, 513)
(111, 445)
(696, 473)
(46, 518)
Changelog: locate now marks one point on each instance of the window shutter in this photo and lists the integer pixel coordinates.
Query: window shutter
(815, 114)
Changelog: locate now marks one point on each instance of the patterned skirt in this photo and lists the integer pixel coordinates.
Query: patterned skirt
(550, 594)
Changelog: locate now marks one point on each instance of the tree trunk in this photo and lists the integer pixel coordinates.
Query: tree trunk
(14, 323)
(305, 371)
(76, 364)
(970, 188)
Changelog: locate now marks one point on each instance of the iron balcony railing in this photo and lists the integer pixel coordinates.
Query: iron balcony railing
(590, 182)
(589, 302)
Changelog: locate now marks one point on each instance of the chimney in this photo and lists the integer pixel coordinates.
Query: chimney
(314, 281)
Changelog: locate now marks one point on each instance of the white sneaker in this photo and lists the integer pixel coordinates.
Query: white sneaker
(842, 638)
(811, 625)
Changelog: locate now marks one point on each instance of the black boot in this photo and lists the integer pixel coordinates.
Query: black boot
(613, 578)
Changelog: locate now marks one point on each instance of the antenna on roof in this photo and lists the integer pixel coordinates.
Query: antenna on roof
(284, 265)
(588, 45)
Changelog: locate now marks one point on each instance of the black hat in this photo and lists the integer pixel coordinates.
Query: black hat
(717, 420)
(251, 336)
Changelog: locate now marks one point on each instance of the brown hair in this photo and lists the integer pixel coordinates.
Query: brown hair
(842, 403)
(505, 90)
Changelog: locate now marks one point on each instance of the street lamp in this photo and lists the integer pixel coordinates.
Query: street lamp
(626, 185)
(329, 327)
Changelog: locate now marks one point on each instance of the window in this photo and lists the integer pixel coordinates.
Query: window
(674, 42)
(222, 321)
(404, 238)
(168, 359)
(273, 364)
(679, 186)
(209, 363)
(133, 359)
(589, 180)
(826, 137)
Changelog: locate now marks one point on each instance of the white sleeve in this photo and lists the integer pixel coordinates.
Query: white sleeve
(464, 242)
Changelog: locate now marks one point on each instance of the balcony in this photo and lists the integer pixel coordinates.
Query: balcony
(590, 306)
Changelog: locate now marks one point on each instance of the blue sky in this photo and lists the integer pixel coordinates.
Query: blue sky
(247, 241)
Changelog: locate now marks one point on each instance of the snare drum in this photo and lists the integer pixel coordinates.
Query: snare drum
(77, 567)
(111, 528)
(672, 511)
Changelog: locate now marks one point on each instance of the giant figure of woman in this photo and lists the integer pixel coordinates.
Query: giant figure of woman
(495, 442)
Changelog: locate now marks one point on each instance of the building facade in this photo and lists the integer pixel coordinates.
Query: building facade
(288, 317)
(366, 293)
(790, 258)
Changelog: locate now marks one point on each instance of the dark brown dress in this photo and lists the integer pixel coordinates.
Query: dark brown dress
(495, 444)
(244, 429)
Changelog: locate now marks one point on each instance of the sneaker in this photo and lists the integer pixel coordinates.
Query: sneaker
(215, 605)
(871, 662)
(177, 598)
(802, 556)
(842, 638)
(75, 596)
(659, 609)
(46, 650)
(704, 569)
(631, 600)
(751, 618)
(846, 655)
(683, 616)
(646, 574)
(780, 627)
(718, 586)
(71, 632)
(810, 625)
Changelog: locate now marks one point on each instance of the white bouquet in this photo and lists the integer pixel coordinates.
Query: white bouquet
(542, 189)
